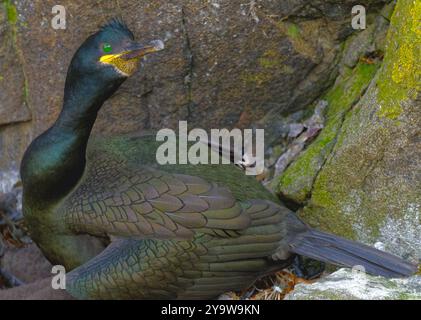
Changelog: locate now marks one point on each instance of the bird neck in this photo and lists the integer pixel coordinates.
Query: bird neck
(55, 161)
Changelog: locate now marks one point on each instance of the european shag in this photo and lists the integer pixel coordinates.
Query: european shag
(174, 231)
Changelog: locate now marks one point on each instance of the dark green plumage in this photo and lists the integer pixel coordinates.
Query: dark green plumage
(176, 231)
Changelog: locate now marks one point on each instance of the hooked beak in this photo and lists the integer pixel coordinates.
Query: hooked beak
(126, 62)
(137, 50)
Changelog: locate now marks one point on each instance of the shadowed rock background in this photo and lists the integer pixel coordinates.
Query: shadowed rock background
(234, 63)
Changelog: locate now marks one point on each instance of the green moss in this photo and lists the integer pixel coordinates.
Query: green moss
(405, 296)
(400, 77)
(387, 10)
(343, 95)
(322, 196)
(297, 181)
(270, 63)
(293, 31)
(12, 14)
(271, 59)
(256, 79)
(26, 90)
(298, 178)
(300, 44)
(12, 18)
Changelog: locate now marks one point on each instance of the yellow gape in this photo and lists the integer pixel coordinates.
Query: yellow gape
(125, 66)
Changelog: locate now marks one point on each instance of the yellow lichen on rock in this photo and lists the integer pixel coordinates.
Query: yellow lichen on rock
(400, 77)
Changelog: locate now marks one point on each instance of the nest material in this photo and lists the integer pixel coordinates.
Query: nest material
(12, 233)
(273, 287)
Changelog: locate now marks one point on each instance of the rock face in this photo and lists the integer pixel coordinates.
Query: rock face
(27, 264)
(226, 63)
(14, 108)
(361, 177)
(345, 284)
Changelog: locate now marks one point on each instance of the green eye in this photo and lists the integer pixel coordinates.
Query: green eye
(107, 47)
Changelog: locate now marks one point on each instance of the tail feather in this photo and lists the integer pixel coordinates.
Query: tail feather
(336, 250)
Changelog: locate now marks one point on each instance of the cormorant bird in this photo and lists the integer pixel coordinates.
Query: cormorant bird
(181, 231)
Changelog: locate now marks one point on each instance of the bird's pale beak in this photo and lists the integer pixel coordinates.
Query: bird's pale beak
(139, 50)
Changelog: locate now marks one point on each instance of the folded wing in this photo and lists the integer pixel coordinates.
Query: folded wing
(119, 200)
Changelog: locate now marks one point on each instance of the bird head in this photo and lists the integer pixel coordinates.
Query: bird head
(111, 54)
